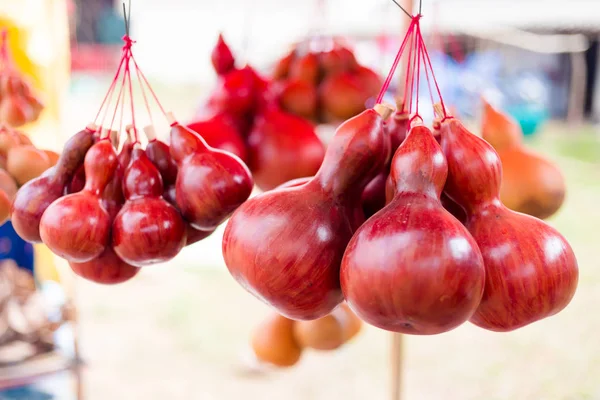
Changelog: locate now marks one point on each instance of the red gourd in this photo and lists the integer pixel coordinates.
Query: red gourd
(305, 68)
(220, 132)
(285, 246)
(147, 230)
(35, 196)
(160, 154)
(412, 267)
(531, 270)
(76, 227)
(235, 92)
(211, 183)
(14, 108)
(283, 147)
(221, 57)
(106, 269)
(282, 67)
(299, 98)
(342, 96)
(375, 194)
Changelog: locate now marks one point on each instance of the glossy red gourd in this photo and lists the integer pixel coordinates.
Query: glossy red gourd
(77, 226)
(106, 269)
(285, 246)
(159, 154)
(412, 267)
(195, 235)
(35, 196)
(222, 57)
(531, 270)
(375, 194)
(211, 183)
(283, 147)
(342, 96)
(147, 230)
(220, 132)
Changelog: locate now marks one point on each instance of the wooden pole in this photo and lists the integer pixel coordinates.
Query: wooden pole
(396, 348)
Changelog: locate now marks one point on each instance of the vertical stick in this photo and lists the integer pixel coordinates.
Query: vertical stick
(396, 366)
(396, 353)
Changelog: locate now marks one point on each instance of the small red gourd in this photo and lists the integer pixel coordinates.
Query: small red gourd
(106, 269)
(147, 230)
(76, 227)
(35, 196)
(531, 270)
(160, 154)
(211, 183)
(283, 147)
(412, 267)
(285, 246)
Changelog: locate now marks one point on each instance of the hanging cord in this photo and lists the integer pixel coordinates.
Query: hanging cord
(388, 80)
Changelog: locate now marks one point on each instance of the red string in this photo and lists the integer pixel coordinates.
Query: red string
(126, 50)
(419, 45)
(410, 73)
(427, 74)
(437, 87)
(131, 101)
(137, 71)
(149, 87)
(390, 76)
(120, 92)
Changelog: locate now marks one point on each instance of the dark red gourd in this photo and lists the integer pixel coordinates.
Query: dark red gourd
(412, 267)
(220, 132)
(195, 235)
(375, 194)
(76, 227)
(147, 230)
(531, 270)
(222, 57)
(283, 147)
(35, 196)
(285, 246)
(159, 154)
(211, 184)
(281, 69)
(106, 269)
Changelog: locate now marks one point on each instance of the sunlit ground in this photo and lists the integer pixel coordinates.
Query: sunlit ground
(179, 331)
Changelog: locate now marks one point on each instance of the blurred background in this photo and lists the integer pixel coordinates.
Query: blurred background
(182, 330)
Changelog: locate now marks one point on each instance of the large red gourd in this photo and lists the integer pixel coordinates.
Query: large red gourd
(211, 183)
(412, 267)
(77, 226)
(147, 230)
(36, 195)
(285, 246)
(283, 147)
(531, 270)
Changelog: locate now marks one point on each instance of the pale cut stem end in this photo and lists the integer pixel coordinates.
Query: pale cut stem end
(150, 132)
(171, 118)
(114, 138)
(92, 127)
(384, 110)
(104, 133)
(439, 110)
